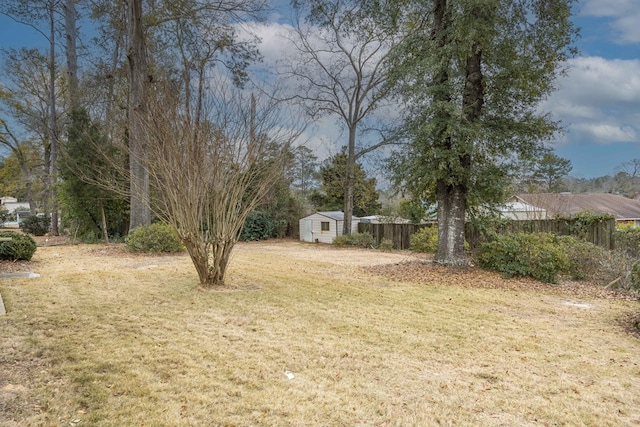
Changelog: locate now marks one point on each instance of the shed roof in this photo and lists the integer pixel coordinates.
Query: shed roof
(335, 215)
(568, 204)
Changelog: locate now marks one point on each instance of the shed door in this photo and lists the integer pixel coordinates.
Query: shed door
(307, 231)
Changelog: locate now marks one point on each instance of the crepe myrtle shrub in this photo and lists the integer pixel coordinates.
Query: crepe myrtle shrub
(537, 255)
(359, 240)
(158, 237)
(36, 225)
(20, 247)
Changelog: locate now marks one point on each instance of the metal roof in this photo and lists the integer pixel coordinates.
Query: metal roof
(569, 204)
(335, 215)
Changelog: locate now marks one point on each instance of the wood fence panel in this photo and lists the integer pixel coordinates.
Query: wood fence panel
(601, 234)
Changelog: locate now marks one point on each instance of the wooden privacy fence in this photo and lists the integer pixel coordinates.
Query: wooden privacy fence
(600, 233)
(399, 234)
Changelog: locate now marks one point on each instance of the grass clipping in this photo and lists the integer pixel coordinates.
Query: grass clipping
(305, 335)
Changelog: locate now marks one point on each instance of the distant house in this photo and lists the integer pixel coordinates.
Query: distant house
(323, 227)
(623, 209)
(12, 204)
(520, 210)
(382, 219)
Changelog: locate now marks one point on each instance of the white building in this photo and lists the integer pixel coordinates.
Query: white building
(323, 227)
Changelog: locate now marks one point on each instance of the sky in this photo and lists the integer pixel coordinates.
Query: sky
(597, 102)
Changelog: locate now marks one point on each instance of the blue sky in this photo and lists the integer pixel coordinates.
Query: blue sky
(598, 101)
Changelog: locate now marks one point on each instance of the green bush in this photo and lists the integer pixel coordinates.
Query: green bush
(158, 237)
(360, 240)
(537, 255)
(386, 245)
(628, 241)
(36, 225)
(4, 215)
(585, 258)
(20, 247)
(425, 240)
(259, 225)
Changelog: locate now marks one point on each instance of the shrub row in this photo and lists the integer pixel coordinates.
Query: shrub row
(360, 240)
(546, 257)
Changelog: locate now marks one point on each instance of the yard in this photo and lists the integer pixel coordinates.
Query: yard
(305, 335)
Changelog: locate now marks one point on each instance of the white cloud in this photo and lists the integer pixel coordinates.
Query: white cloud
(598, 100)
(624, 13)
(606, 133)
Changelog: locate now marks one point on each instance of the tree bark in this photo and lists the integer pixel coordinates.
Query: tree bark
(349, 182)
(452, 197)
(140, 213)
(70, 20)
(105, 230)
(451, 215)
(53, 122)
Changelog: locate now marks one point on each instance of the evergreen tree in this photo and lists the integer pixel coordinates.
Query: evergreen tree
(330, 196)
(473, 74)
(89, 208)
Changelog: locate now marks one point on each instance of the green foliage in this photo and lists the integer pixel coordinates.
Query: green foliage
(20, 247)
(83, 163)
(628, 241)
(158, 237)
(537, 255)
(386, 245)
(425, 240)
(4, 215)
(259, 225)
(330, 197)
(412, 210)
(36, 225)
(360, 240)
(585, 258)
(584, 221)
(472, 76)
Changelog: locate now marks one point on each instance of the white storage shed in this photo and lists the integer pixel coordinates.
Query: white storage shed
(323, 227)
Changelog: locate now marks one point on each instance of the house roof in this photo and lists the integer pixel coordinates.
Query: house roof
(568, 204)
(335, 215)
(519, 207)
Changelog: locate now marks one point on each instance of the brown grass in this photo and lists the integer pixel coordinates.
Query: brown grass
(104, 338)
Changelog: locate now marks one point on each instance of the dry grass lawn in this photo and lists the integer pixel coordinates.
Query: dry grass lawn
(104, 338)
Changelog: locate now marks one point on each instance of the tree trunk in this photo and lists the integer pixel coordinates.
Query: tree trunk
(53, 123)
(105, 230)
(140, 212)
(451, 216)
(209, 274)
(349, 182)
(70, 19)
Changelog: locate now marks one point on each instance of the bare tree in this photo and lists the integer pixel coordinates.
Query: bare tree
(210, 173)
(342, 71)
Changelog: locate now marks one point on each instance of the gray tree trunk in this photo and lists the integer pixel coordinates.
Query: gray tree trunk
(140, 213)
(349, 182)
(71, 32)
(53, 122)
(451, 215)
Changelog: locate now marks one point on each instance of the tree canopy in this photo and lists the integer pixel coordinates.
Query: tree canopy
(330, 195)
(473, 74)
